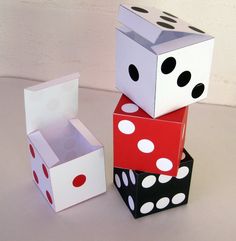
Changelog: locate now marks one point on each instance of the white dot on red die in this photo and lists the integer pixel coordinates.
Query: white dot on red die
(126, 127)
(146, 146)
(183, 156)
(182, 172)
(164, 178)
(117, 181)
(149, 181)
(146, 207)
(162, 203)
(164, 164)
(125, 179)
(178, 198)
(129, 108)
(132, 176)
(131, 203)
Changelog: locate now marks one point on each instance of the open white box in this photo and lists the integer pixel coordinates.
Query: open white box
(162, 62)
(67, 160)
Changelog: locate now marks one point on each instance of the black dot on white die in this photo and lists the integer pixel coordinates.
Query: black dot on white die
(171, 15)
(196, 29)
(133, 72)
(168, 65)
(168, 19)
(165, 25)
(198, 90)
(183, 78)
(141, 10)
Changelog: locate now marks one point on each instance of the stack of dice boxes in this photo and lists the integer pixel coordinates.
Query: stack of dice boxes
(162, 66)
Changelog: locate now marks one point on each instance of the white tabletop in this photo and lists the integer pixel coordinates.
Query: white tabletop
(209, 215)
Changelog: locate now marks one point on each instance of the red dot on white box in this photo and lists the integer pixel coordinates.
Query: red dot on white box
(32, 150)
(35, 177)
(45, 171)
(49, 197)
(79, 180)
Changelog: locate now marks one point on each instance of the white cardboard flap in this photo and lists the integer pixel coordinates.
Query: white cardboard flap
(85, 132)
(151, 22)
(50, 102)
(43, 148)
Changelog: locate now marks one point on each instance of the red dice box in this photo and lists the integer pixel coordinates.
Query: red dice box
(146, 144)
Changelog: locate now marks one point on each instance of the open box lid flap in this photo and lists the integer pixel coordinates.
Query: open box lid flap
(151, 22)
(83, 130)
(50, 102)
(43, 148)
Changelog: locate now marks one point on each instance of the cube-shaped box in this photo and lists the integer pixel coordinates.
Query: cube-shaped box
(162, 63)
(145, 193)
(146, 144)
(67, 160)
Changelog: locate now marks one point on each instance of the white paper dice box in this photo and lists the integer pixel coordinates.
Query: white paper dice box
(64, 150)
(161, 69)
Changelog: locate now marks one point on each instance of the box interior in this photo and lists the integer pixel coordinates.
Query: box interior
(67, 142)
(163, 38)
(167, 40)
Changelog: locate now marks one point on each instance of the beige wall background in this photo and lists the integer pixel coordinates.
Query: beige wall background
(45, 39)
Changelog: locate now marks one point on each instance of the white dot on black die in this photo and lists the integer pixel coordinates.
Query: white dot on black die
(117, 181)
(162, 203)
(146, 207)
(132, 177)
(149, 181)
(178, 198)
(131, 203)
(164, 178)
(183, 156)
(125, 179)
(182, 172)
